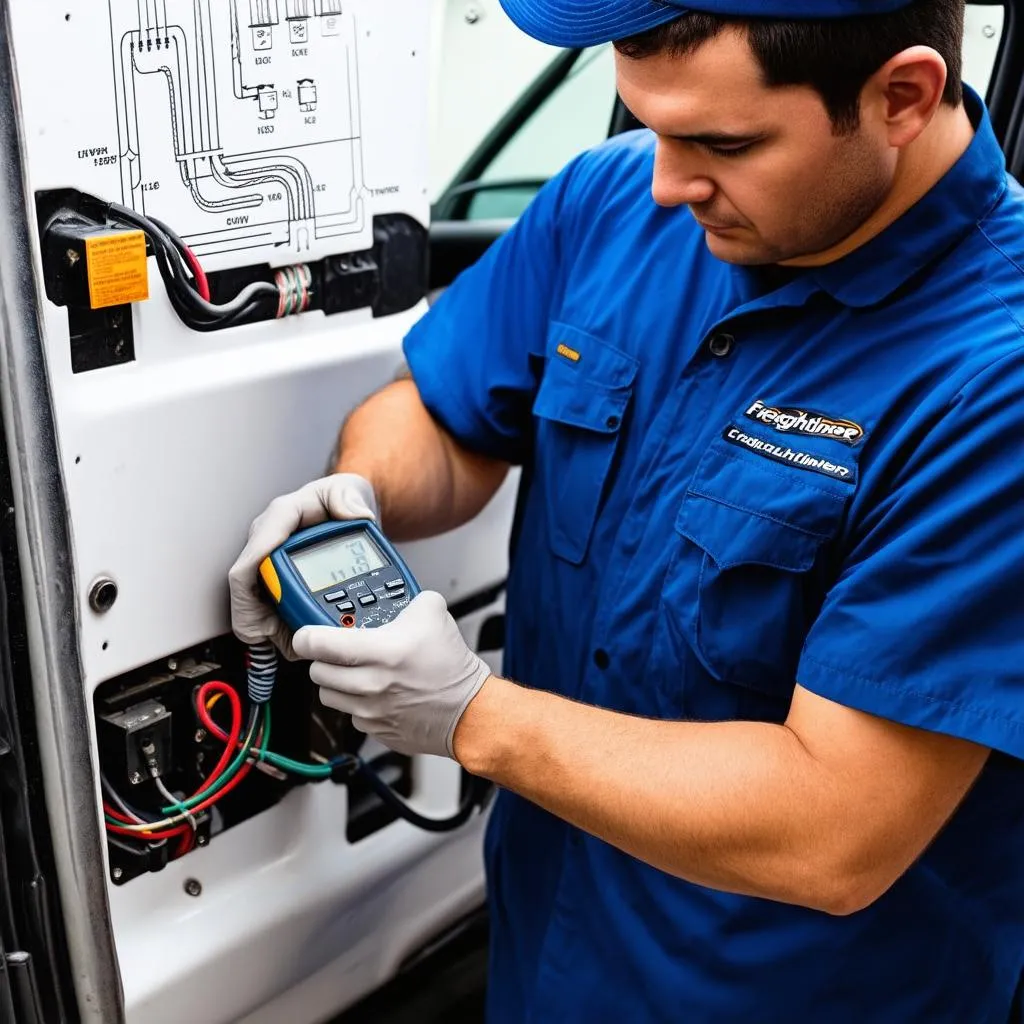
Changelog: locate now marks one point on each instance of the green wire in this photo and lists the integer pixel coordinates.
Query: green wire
(310, 771)
(266, 732)
(229, 773)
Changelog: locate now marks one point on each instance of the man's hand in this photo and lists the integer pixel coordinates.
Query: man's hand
(341, 496)
(406, 683)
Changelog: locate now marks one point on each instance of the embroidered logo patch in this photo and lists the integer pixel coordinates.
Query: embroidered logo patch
(568, 353)
(789, 456)
(801, 421)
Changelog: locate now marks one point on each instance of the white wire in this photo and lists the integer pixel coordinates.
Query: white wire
(172, 799)
(112, 795)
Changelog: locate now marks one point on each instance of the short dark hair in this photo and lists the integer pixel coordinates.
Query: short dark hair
(834, 56)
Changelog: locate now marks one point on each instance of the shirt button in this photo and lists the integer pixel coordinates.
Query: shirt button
(721, 345)
(601, 659)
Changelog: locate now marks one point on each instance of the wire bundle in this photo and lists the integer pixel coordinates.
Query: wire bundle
(293, 285)
(232, 767)
(189, 290)
(261, 671)
(240, 755)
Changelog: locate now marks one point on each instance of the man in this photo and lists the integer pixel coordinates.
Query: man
(764, 613)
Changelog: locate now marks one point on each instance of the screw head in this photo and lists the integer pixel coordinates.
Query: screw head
(72, 257)
(193, 887)
(135, 778)
(200, 735)
(472, 15)
(988, 31)
(117, 874)
(102, 594)
(201, 840)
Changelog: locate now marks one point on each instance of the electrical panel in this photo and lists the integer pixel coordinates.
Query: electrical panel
(148, 729)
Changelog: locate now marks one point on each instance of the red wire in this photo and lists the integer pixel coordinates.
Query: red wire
(188, 838)
(204, 712)
(114, 813)
(202, 285)
(230, 749)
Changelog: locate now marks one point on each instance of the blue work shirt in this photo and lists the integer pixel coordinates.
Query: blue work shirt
(732, 483)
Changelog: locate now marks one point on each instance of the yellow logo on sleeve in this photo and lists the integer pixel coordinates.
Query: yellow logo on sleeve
(568, 353)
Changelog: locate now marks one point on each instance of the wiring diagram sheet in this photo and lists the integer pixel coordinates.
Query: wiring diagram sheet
(240, 122)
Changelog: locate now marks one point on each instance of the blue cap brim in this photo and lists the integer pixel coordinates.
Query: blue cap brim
(587, 22)
(590, 22)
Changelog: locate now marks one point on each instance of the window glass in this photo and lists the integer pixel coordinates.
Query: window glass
(574, 117)
(983, 29)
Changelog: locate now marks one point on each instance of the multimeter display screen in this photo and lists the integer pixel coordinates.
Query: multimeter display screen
(334, 561)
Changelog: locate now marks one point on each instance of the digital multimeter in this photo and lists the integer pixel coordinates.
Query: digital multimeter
(341, 573)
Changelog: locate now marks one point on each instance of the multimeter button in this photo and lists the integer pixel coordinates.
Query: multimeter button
(367, 599)
(335, 595)
(346, 606)
(397, 593)
(395, 583)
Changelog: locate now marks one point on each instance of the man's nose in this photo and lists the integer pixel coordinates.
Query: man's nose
(679, 178)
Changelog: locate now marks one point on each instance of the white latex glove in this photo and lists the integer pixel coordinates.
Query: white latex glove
(340, 496)
(406, 683)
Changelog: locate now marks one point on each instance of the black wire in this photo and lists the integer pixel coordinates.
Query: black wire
(182, 249)
(189, 318)
(179, 242)
(469, 802)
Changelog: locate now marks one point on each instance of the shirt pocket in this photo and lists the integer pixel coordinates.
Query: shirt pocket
(754, 554)
(580, 406)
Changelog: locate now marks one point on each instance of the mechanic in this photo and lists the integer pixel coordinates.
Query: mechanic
(758, 745)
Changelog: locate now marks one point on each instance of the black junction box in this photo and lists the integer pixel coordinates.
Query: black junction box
(123, 735)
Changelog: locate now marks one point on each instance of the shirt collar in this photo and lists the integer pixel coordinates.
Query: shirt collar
(937, 221)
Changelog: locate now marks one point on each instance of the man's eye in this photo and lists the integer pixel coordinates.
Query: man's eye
(729, 151)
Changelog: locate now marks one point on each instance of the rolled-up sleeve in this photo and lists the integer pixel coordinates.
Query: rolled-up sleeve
(925, 625)
(476, 356)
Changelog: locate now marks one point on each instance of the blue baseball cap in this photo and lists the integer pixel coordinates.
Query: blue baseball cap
(589, 22)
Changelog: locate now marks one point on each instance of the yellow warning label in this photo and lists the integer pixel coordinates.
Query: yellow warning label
(117, 270)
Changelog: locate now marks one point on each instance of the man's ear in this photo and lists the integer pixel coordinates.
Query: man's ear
(903, 95)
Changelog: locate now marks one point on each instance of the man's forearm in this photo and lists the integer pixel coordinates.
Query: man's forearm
(425, 483)
(740, 806)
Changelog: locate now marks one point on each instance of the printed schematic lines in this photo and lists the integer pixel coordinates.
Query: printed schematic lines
(247, 108)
